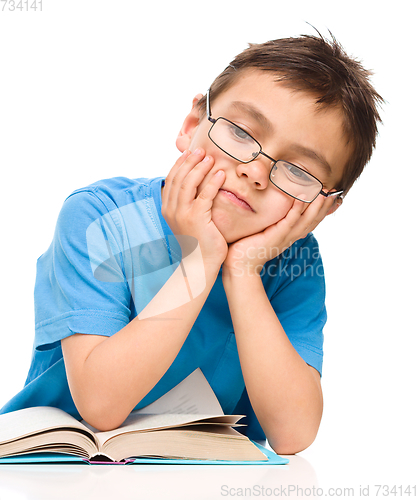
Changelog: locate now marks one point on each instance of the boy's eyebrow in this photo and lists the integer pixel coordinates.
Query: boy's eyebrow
(310, 153)
(254, 113)
(250, 110)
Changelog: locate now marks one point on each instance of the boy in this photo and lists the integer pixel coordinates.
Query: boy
(267, 154)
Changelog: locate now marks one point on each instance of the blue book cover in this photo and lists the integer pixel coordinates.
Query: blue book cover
(60, 458)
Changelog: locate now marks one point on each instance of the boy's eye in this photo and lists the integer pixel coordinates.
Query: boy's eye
(239, 133)
(296, 174)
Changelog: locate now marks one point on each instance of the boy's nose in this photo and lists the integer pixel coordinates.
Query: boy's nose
(257, 171)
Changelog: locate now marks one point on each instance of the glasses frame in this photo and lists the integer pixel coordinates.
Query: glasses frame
(261, 152)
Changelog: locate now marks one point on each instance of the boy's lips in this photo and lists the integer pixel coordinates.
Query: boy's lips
(237, 199)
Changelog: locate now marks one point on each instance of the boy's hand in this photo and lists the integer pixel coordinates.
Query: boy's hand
(249, 254)
(189, 213)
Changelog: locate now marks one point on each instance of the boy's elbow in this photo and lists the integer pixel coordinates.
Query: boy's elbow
(292, 444)
(103, 424)
(101, 418)
(290, 448)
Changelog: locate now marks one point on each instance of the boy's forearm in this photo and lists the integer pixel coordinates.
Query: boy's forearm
(122, 369)
(282, 388)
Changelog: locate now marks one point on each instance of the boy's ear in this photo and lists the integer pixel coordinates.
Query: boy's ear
(335, 205)
(189, 126)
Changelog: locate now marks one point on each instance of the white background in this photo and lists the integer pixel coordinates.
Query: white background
(94, 89)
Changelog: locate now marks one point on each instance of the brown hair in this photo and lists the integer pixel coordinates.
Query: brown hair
(322, 68)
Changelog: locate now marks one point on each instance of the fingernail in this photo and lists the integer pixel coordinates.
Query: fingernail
(197, 151)
(219, 173)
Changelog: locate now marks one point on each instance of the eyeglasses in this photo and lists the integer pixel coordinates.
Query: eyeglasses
(241, 146)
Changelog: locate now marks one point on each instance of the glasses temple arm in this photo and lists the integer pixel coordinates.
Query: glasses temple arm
(212, 120)
(334, 193)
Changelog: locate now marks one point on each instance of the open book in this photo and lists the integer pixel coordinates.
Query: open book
(186, 423)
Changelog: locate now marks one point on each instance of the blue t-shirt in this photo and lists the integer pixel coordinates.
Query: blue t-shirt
(112, 251)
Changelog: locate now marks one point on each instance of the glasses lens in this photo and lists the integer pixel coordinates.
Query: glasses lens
(234, 141)
(295, 181)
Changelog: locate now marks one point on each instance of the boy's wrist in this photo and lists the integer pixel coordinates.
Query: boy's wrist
(242, 288)
(242, 274)
(212, 268)
(213, 261)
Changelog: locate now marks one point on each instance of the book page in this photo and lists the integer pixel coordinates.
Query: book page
(137, 422)
(190, 401)
(28, 421)
(193, 395)
(206, 442)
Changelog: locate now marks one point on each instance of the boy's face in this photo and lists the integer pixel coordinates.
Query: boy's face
(289, 126)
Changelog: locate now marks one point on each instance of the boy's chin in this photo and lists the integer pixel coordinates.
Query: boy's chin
(230, 233)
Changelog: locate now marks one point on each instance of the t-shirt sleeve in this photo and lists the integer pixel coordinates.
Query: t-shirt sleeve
(68, 297)
(299, 300)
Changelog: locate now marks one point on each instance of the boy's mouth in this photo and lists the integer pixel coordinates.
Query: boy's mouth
(236, 199)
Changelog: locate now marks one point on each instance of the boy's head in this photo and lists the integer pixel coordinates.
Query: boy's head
(322, 69)
(305, 102)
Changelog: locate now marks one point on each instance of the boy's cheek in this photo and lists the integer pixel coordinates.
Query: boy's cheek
(200, 139)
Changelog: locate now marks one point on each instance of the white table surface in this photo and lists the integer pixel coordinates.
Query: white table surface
(314, 473)
(44, 482)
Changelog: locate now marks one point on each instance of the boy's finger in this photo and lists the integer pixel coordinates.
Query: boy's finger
(169, 178)
(295, 213)
(192, 177)
(177, 165)
(178, 187)
(324, 209)
(197, 176)
(206, 197)
(300, 218)
(316, 212)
